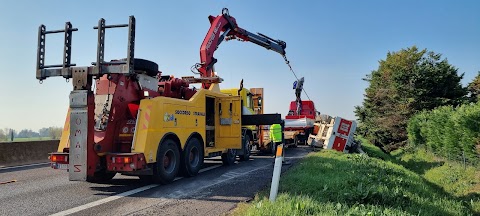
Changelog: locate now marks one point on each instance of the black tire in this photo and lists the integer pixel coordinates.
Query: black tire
(246, 148)
(168, 162)
(295, 142)
(192, 158)
(353, 148)
(101, 177)
(273, 148)
(266, 150)
(151, 68)
(228, 158)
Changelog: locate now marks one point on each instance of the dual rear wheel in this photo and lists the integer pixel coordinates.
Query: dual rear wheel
(170, 162)
(192, 158)
(231, 155)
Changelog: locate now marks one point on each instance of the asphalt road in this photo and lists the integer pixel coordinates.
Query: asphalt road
(40, 190)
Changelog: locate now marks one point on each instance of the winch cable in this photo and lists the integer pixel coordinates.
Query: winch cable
(291, 69)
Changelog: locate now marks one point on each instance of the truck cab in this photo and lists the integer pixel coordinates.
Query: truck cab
(252, 104)
(307, 110)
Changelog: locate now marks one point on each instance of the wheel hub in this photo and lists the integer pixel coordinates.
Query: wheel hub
(169, 161)
(193, 156)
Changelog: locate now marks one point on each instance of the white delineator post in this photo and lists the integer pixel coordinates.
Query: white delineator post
(277, 169)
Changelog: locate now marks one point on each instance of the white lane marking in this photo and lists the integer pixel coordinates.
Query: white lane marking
(20, 166)
(184, 192)
(118, 196)
(209, 168)
(230, 178)
(105, 200)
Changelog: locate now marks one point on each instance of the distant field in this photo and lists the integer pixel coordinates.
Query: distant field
(28, 139)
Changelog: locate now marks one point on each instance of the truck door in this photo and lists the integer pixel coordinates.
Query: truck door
(228, 122)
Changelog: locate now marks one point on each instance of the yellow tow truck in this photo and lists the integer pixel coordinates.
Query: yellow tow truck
(137, 121)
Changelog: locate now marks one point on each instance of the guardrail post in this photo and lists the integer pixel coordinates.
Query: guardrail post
(277, 169)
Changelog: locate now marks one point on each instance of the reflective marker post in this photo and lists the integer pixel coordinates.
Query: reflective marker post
(277, 169)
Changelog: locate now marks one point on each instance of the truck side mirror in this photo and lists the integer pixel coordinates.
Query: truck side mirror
(259, 101)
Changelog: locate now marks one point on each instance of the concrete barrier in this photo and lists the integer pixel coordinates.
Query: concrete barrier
(20, 153)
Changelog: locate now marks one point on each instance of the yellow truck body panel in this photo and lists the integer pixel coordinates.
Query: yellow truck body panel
(160, 117)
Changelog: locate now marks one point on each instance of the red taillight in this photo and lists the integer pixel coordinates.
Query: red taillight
(124, 160)
(59, 158)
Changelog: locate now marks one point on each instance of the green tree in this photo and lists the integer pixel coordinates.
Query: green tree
(406, 82)
(474, 89)
(44, 132)
(27, 133)
(55, 132)
(3, 136)
(9, 133)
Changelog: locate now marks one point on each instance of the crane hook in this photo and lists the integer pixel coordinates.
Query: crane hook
(225, 11)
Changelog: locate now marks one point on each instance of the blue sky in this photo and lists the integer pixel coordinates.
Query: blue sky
(333, 44)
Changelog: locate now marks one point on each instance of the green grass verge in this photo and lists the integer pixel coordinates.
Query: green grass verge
(374, 151)
(333, 183)
(463, 182)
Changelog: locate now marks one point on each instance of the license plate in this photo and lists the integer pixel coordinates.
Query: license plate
(61, 166)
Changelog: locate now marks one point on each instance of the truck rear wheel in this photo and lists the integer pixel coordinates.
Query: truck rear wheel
(168, 162)
(246, 148)
(295, 142)
(228, 158)
(192, 158)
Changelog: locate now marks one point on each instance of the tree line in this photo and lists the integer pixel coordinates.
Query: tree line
(410, 86)
(450, 132)
(8, 134)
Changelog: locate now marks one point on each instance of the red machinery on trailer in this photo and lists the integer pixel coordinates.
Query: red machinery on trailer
(300, 119)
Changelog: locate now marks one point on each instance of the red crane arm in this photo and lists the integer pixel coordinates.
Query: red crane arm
(223, 27)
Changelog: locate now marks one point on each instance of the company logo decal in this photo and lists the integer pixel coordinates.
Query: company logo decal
(168, 117)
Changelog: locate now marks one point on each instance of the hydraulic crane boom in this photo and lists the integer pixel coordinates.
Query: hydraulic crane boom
(224, 27)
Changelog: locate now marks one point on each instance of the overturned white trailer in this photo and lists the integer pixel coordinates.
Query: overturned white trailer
(333, 133)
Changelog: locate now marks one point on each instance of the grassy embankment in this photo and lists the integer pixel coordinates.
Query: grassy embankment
(403, 183)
